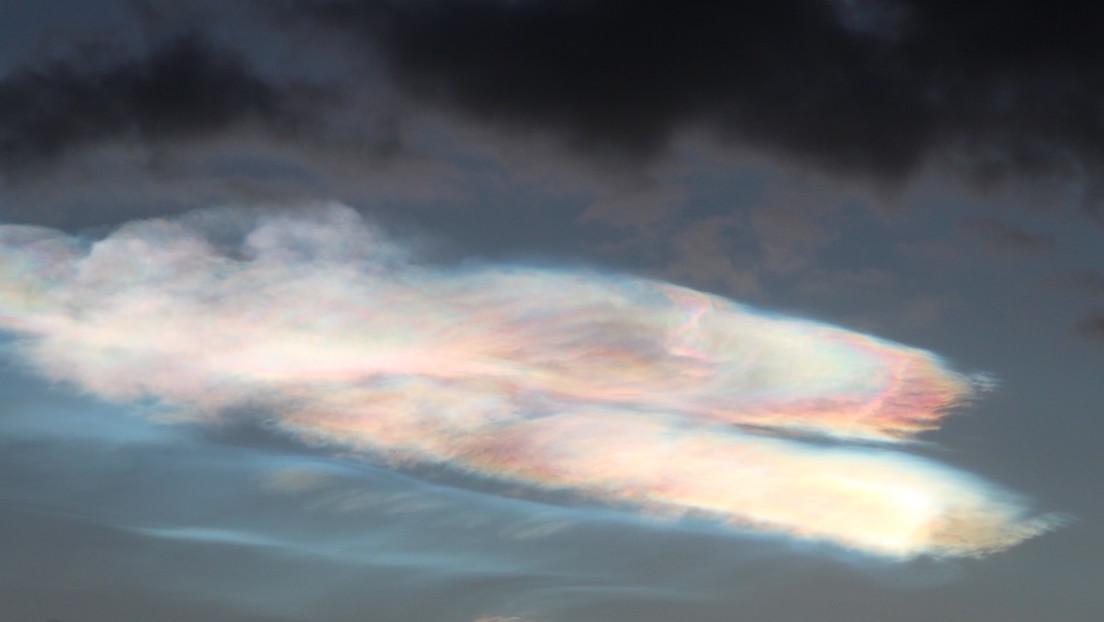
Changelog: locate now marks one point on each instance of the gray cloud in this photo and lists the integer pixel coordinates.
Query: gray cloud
(185, 88)
(1090, 282)
(1092, 326)
(1008, 238)
(875, 88)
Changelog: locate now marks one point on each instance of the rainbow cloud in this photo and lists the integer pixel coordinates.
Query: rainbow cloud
(631, 391)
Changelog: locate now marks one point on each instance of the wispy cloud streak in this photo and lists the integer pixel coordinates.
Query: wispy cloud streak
(631, 391)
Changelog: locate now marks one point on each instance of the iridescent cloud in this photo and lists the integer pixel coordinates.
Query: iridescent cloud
(631, 391)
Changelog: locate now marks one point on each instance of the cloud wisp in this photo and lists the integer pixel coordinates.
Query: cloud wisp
(633, 392)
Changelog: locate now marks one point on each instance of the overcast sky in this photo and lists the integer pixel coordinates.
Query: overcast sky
(551, 311)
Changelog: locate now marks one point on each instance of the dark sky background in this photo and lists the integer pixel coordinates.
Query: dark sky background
(929, 172)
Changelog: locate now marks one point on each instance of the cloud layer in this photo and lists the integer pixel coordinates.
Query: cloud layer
(634, 392)
(870, 88)
(183, 89)
(875, 88)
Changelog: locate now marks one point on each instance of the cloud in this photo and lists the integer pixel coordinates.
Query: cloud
(634, 392)
(1008, 238)
(707, 253)
(871, 88)
(1086, 281)
(184, 89)
(1091, 326)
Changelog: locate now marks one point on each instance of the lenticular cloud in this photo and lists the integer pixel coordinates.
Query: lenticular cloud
(630, 391)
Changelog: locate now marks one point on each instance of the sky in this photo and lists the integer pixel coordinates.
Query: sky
(551, 311)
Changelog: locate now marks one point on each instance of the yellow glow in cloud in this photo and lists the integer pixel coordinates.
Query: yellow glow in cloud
(631, 391)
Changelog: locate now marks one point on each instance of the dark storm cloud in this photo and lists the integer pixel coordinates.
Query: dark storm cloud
(186, 88)
(874, 88)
